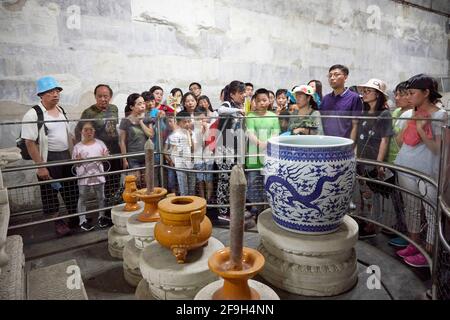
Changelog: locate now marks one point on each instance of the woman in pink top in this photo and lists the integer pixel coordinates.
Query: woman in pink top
(89, 147)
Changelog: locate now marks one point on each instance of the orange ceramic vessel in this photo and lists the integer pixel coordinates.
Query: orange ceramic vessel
(150, 213)
(184, 225)
(128, 195)
(235, 285)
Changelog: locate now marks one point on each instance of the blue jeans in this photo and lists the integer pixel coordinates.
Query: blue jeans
(186, 183)
(255, 187)
(171, 179)
(207, 177)
(99, 190)
(134, 163)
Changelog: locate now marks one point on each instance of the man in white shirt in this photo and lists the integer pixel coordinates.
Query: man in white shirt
(53, 142)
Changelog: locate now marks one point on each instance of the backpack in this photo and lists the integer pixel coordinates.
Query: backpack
(20, 143)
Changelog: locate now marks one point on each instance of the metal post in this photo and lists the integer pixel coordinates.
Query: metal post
(437, 222)
(161, 156)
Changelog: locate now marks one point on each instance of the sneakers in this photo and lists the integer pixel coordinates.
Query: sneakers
(417, 261)
(104, 222)
(408, 252)
(61, 228)
(388, 232)
(86, 226)
(398, 242)
(223, 217)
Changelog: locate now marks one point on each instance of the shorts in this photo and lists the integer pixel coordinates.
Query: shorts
(203, 166)
(134, 163)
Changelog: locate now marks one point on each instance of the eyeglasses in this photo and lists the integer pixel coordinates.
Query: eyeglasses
(335, 75)
(368, 91)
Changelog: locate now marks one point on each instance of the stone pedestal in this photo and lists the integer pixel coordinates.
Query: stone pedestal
(118, 235)
(120, 217)
(117, 242)
(143, 291)
(142, 236)
(12, 260)
(131, 271)
(310, 265)
(169, 280)
(12, 278)
(142, 232)
(265, 292)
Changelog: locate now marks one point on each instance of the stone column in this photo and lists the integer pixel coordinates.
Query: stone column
(12, 260)
(118, 235)
(6, 156)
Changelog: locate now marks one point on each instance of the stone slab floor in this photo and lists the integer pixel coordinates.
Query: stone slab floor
(103, 275)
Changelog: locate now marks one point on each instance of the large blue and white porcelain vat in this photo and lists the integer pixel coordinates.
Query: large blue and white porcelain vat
(309, 182)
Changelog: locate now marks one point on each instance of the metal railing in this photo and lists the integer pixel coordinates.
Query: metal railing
(437, 259)
(441, 267)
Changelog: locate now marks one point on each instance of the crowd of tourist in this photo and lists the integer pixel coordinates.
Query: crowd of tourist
(198, 138)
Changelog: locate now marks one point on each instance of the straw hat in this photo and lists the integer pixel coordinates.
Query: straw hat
(376, 84)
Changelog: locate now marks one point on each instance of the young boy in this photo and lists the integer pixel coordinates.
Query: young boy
(203, 156)
(150, 104)
(261, 125)
(179, 145)
(170, 126)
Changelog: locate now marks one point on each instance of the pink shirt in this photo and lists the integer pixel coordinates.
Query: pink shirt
(85, 151)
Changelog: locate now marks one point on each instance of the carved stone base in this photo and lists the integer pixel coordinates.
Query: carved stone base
(169, 280)
(120, 217)
(143, 291)
(116, 243)
(319, 265)
(12, 278)
(131, 270)
(143, 232)
(265, 292)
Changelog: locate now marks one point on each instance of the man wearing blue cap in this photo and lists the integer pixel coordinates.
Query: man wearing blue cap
(51, 141)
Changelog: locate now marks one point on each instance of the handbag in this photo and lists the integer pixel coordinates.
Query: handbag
(371, 172)
(385, 191)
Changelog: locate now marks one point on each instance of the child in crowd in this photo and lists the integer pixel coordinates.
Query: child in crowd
(271, 101)
(171, 173)
(89, 147)
(282, 101)
(282, 109)
(284, 120)
(150, 104)
(179, 145)
(261, 125)
(203, 155)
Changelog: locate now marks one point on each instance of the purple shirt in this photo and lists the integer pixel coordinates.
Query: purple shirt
(346, 104)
